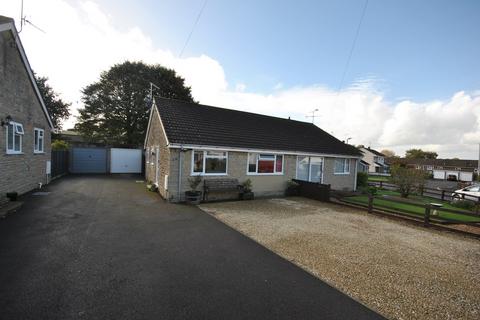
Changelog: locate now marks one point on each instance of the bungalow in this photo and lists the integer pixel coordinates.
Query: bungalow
(25, 123)
(374, 161)
(185, 139)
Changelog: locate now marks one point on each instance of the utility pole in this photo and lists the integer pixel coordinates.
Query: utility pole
(313, 115)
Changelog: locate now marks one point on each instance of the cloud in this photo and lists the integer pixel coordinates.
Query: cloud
(81, 41)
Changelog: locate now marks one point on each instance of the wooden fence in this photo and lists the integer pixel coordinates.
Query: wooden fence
(431, 212)
(312, 190)
(59, 163)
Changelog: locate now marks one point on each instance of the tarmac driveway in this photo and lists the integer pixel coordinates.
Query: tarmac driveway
(102, 247)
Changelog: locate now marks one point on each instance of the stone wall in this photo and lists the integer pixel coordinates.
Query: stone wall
(20, 172)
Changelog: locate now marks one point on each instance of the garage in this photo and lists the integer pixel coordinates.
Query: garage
(125, 160)
(439, 174)
(88, 160)
(466, 176)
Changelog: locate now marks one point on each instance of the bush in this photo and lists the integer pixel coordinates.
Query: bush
(247, 186)
(59, 145)
(463, 204)
(293, 188)
(362, 179)
(372, 190)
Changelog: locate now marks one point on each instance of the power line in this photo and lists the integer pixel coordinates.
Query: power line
(193, 28)
(353, 46)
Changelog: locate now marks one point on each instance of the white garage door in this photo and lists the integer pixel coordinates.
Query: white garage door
(125, 160)
(466, 176)
(438, 174)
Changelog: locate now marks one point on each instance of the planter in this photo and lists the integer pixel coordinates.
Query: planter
(193, 197)
(292, 192)
(12, 196)
(247, 196)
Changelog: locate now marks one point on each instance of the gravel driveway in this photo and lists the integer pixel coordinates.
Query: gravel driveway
(402, 271)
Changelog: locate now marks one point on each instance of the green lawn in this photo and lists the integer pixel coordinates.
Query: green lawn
(378, 178)
(410, 208)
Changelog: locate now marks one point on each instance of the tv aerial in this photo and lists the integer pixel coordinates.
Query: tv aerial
(24, 21)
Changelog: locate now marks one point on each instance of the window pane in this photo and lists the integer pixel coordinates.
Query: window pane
(267, 156)
(40, 144)
(214, 165)
(36, 140)
(10, 137)
(198, 161)
(18, 143)
(265, 166)
(302, 168)
(316, 169)
(347, 165)
(339, 163)
(252, 162)
(216, 154)
(18, 128)
(278, 164)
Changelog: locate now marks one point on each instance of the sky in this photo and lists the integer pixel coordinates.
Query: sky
(413, 79)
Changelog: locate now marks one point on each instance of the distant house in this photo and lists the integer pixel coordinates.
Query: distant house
(184, 140)
(374, 161)
(25, 123)
(445, 169)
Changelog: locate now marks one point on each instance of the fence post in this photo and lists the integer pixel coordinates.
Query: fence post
(370, 203)
(381, 184)
(426, 218)
(443, 195)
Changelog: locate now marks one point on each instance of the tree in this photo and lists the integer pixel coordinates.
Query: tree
(420, 154)
(407, 179)
(56, 107)
(117, 106)
(388, 153)
(59, 145)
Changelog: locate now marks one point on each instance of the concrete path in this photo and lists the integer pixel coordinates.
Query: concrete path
(102, 247)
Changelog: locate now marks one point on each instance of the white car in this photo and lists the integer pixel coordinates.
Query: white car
(469, 193)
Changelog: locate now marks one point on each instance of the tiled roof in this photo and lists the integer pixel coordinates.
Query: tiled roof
(195, 124)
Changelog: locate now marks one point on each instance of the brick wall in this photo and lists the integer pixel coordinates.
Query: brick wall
(263, 186)
(20, 172)
(156, 139)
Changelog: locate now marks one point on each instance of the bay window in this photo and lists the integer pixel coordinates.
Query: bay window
(262, 163)
(310, 168)
(342, 166)
(14, 137)
(39, 136)
(209, 162)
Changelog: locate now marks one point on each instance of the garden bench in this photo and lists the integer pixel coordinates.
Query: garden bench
(220, 185)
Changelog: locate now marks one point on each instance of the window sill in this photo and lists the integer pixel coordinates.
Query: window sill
(264, 174)
(14, 153)
(207, 174)
(341, 173)
(38, 152)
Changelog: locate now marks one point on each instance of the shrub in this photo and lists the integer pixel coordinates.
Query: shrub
(59, 145)
(362, 179)
(247, 185)
(464, 204)
(194, 182)
(293, 188)
(407, 180)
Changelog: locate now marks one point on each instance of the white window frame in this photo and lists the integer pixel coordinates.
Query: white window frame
(36, 145)
(18, 133)
(274, 173)
(205, 156)
(310, 167)
(345, 160)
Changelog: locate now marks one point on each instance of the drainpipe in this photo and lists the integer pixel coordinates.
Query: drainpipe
(180, 162)
(355, 178)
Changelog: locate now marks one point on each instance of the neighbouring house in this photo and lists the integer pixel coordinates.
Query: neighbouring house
(375, 161)
(363, 166)
(25, 123)
(445, 169)
(184, 140)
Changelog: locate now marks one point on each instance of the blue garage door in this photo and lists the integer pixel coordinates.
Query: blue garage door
(89, 160)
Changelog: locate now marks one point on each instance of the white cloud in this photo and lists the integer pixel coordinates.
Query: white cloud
(81, 41)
